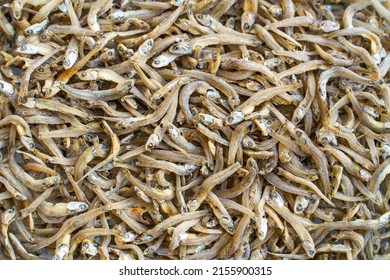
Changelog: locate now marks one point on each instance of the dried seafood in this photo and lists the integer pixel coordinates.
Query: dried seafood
(182, 129)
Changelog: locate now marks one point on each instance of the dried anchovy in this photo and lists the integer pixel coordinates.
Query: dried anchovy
(189, 129)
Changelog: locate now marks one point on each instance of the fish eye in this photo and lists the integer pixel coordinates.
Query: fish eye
(296, 119)
(311, 252)
(148, 237)
(210, 90)
(11, 210)
(23, 48)
(44, 37)
(83, 74)
(85, 245)
(29, 31)
(156, 62)
(230, 119)
(200, 16)
(246, 26)
(31, 145)
(299, 133)
(103, 146)
(120, 49)
(56, 257)
(149, 43)
(375, 247)
(110, 53)
(82, 207)
(175, 48)
(67, 61)
(299, 208)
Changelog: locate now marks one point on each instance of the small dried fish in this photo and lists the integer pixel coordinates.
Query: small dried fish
(237, 129)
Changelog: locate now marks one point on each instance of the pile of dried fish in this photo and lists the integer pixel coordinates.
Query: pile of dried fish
(253, 129)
